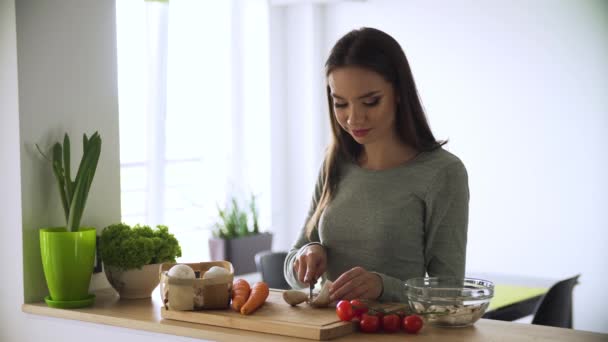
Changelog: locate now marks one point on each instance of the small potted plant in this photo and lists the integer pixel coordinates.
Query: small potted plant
(132, 256)
(233, 239)
(68, 252)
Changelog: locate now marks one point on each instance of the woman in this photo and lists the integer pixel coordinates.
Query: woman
(390, 203)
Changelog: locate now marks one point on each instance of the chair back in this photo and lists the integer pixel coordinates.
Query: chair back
(555, 309)
(270, 266)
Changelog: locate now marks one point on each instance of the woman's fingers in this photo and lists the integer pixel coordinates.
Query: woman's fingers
(321, 267)
(346, 282)
(311, 270)
(301, 268)
(311, 264)
(358, 292)
(356, 283)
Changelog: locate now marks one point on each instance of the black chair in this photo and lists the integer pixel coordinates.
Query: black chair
(270, 266)
(555, 309)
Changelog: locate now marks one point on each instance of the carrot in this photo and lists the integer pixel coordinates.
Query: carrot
(259, 293)
(240, 294)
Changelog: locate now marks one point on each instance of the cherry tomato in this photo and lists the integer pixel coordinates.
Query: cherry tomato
(380, 316)
(369, 323)
(401, 314)
(412, 324)
(391, 323)
(345, 310)
(359, 307)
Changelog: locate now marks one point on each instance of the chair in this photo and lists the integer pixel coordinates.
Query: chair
(555, 309)
(270, 266)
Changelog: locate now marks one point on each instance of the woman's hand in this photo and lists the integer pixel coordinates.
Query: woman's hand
(356, 283)
(311, 264)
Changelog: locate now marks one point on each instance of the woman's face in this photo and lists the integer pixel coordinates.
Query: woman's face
(364, 104)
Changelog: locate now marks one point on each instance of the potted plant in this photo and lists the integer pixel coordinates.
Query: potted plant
(68, 253)
(234, 241)
(132, 256)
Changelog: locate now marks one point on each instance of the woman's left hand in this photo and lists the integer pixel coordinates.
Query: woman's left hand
(356, 283)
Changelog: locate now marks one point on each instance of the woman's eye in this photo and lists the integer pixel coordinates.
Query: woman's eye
(340, 105)
(372, 102)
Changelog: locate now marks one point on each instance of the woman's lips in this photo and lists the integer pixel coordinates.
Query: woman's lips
(360, 132)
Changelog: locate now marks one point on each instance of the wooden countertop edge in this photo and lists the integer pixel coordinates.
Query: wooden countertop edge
(164, 327)
(487, 330)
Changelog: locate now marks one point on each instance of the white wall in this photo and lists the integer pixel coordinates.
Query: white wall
(10, 202)
(520, 89)
(61, 78)
(299, 129)
(67, 83)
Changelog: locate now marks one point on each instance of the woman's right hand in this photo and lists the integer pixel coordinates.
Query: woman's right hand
(310, 264)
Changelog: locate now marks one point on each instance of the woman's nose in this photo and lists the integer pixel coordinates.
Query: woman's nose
(355, 116)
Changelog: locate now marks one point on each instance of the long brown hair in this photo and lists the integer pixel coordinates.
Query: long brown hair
(377, 51)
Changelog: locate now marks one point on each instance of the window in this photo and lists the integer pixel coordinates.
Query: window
(192, 75)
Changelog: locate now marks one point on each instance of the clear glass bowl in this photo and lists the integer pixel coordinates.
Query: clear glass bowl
(449, 302)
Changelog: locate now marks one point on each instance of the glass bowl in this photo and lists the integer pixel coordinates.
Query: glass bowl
(449, 302)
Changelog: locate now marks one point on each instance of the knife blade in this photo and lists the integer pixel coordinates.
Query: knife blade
(312, 286)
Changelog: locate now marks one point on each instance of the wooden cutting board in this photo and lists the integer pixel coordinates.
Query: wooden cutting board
(274, 317)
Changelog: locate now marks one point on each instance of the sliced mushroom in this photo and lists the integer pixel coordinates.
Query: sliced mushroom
(294, 297)
(322, 299)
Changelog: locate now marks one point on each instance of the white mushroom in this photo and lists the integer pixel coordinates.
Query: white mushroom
(322, 299)
(215, 272)
(294, 297)
(182, 272)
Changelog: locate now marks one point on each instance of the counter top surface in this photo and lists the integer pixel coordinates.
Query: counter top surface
(144, 314)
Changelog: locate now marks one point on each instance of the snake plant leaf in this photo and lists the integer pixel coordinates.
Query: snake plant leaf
(77, 208)
(74, 193)
(66, 169)
(84, 179)
(92, 167)
(57, 165)
(61, 187)
(88, 149)
(57, 154)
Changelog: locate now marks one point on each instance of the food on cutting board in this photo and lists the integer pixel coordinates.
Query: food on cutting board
(294, 297)
(180, 296)
(258, 296)
(182, 289)
(216, 272)
(240, 293)
(181, 272)
(322, 299)
(373, 318)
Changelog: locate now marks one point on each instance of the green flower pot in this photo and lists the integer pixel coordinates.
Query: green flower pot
(68, 259)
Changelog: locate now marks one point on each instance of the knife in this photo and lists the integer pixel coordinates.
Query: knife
(312, 286)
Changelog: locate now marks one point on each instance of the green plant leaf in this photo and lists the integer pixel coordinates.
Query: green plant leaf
(83, 181)
(254, 214)
(69, 190)
(128, 248)
(233, 221)
(61, 187)
(57, 165)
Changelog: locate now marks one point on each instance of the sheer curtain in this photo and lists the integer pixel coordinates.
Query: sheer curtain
(194, 113)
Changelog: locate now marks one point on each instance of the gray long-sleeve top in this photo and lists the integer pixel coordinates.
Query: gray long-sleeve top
(400, 223)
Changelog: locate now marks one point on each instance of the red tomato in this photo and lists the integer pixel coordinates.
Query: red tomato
(369, 323)
(391, 323)
(380, 316)
(412, 324)
(401, 314)
(359, 307)
(345, 310)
